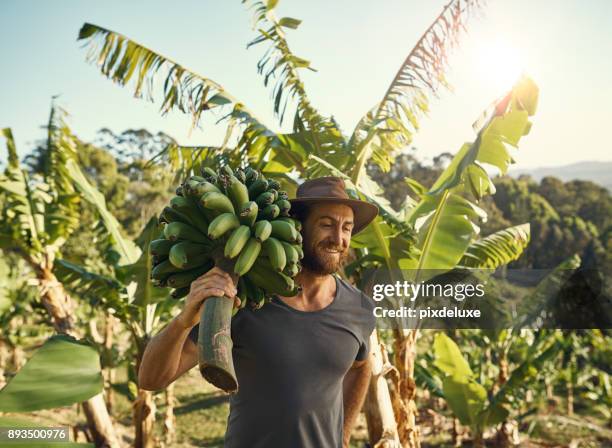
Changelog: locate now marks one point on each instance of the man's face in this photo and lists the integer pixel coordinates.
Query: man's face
(327, 235)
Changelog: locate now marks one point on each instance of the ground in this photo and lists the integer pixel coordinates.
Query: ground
(201, 413)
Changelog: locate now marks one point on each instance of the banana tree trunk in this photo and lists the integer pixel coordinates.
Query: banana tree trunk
(169, 419)
(59, 305)
(109, 377)
(457, 434)
(478, 441)
(144, 419)
(4, 355)
(507, 434)
(570, 398)
(378, 409)
(99, 422)
(404, 390)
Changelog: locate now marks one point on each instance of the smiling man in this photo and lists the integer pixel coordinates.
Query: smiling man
(301, 362)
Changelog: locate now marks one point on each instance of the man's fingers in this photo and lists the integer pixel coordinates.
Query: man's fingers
(228, 288)
(209, 276)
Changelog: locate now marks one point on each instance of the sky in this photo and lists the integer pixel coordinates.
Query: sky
(356, 47)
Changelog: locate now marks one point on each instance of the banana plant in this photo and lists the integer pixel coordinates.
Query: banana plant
(38, 215)
(469, 400)
(76, 377)
(130, 296)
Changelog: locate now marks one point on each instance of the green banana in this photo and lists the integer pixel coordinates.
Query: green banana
(181, 231)
(157, 259)
(290, 253)
(299, 239)
(179, 203)
(222, 224)
(248, 213)
(299, 250)
(179, 190)
(163, 270)
(251, 176)
(217, 202)
(283, 195)
(284, 206)
(257, 187)
(284, 231)
(159, 283)
(262, 230)
(197, 178)
(242, 294)
(264, 199)
(295, 222)
(236, 241)
(202, 188)
(169, 215)
(270, 212)
(225, 169)
(189, 186)
(247, 256)
(274, 184)
(240, 175)
(208, 172)
(291, 270)
(187, 255)
(276, 253)
(160, 247)
(180, 292)
(270, 281)
(189, 208)
(184, 279)
(196, 215)
(237, 192)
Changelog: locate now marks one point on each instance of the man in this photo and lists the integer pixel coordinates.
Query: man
(301, 362)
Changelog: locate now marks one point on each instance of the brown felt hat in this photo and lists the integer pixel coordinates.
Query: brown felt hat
(332, 189)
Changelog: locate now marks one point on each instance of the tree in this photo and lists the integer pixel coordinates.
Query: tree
(129, 295)
(38, 216)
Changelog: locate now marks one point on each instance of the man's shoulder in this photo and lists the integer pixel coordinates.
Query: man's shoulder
(356, 294)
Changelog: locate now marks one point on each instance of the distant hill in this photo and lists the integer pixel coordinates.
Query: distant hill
(598, 172)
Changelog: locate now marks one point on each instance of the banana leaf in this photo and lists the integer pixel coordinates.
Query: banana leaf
(62, 372)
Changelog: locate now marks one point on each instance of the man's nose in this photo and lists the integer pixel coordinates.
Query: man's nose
(337, 235)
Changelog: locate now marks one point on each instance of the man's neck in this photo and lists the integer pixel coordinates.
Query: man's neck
(317, 292)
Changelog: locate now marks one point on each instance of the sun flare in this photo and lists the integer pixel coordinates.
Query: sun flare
(500, 63)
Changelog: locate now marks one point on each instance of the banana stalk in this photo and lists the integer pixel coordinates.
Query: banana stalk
(215, 339)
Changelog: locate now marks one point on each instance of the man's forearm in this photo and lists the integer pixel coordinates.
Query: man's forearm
(355, 387)
(162, 356)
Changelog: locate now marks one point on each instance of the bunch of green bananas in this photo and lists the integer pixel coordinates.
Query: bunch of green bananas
(239, 215)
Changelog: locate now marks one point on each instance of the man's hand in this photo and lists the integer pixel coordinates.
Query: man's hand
(215, 283)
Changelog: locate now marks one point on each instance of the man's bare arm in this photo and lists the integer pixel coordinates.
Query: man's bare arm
(167, 356)
(355, 387)
(171, 353)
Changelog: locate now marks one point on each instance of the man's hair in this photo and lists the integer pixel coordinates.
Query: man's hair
(301, 213)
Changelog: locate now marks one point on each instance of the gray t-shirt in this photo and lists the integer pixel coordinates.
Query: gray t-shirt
(290, 365)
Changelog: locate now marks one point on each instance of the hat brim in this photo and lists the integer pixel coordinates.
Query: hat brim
(364, 212)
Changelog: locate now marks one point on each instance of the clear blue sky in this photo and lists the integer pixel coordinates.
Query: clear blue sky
(356, 46)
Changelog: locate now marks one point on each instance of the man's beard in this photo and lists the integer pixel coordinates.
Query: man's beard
(320, 262)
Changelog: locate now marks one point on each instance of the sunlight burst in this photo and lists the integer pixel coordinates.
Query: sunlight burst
(500, 64)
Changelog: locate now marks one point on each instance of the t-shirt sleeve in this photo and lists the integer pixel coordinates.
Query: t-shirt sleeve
(368, 326)
(193, 334)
